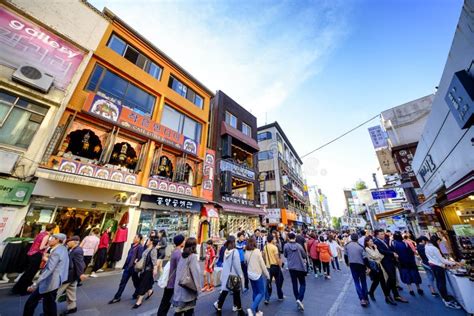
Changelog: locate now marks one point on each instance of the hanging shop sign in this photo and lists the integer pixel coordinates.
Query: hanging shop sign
(273, 215)
(237, 200)
(112, 110)
(208, 171)
(24, 42)
(404, 159)
(460, 98)
(167, 202)
(14, 192)
(386, 162)
(264, 198)
(237, 170)
(379, 139)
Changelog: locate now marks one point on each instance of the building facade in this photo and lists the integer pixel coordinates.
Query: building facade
(444, 159)
(233, 136)
(281, 178)
(42, 59)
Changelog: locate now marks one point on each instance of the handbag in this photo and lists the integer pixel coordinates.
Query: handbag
(234, 283)
(140, 265)
(186, 281)
(164, 277)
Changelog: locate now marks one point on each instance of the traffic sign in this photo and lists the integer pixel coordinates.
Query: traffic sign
(384, 194)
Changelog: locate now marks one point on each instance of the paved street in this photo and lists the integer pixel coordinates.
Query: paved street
(323, 297)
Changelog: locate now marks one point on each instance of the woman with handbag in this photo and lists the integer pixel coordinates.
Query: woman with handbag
(188, 280)
(377, 272)
(147, 266)
(232, 277)
(258, 273)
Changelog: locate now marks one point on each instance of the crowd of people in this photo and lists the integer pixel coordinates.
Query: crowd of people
(246, 261)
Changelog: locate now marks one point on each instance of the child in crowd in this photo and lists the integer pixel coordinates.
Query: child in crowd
(209, 267)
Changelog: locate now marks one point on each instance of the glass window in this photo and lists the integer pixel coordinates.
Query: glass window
(154, 70)
(265, 155)
(246, 129)
(171, 118)
(199, 101)
(131, 54)
(231, 119)
(19, 120)
(117, 44)
(192, 129)
(264, 136)
(125, 92)
(185, 91)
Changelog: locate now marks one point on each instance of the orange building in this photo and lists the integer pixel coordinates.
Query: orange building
(131, 144)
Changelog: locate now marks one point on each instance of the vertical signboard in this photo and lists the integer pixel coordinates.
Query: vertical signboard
(208, 173)
(379, 140)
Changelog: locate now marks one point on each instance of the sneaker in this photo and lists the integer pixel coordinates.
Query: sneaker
(259, 313)
(93, 275)
(452, 304)
(282, 299)
(100, 270)
(434, 294)
(266, 302)
(249, 312)
(300, 304)
(216, 306)
(316, 275)
(328, 277)
(235, 308)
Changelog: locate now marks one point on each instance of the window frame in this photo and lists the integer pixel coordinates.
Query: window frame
(188, 91)
(248, 127)
(259, 137)
(182, 119)
(231, 116)
(268, 153)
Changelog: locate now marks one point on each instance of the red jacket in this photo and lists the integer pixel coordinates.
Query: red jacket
(324, 252)
(313, 249)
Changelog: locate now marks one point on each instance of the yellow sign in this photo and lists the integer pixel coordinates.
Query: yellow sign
(386, 162)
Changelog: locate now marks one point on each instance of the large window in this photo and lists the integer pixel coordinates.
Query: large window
(246, 129)
(264, 136)
(230, 119)
(185, 91)
(181, 123)
(128, 52)
(265, 155)
(19, 119)
(128, 94)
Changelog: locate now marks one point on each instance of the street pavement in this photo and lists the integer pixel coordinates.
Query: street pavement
(323, 297)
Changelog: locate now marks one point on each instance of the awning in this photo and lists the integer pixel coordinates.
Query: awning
(227, 129)
(427, 206)
(231, 208)
(398, 211)
(167, 201)
(87, 181)
(209, 211)
(461, 190)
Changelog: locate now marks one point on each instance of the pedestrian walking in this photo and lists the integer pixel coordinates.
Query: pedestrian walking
(240, 245)
(101, 255)
(219, 264)
(273, 263)
(422, 241)
(134, 254)
(188, 280)
(356, 259)
(388, 263)
(259, 238)
(335, 248)
(75, 274)
(34, 255)
(377, 272)
(314, 254)
(258, 275)
(209, 267)
(296, 256)
(361, 239)
(165, 304)
(161, 248)
(53, 275)
(148, 271)
(89, 245)
(231, 274)
(325, 256)
(407, 265)
(438, 265)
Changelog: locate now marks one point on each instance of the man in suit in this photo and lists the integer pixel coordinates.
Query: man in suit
(388, 263)
(76, 273)
(53, 275)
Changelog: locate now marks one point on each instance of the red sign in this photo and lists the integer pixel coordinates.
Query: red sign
(208, 175)
(125, 117)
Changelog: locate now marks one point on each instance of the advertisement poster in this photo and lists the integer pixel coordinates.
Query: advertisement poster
(26, 43)
(6, 216)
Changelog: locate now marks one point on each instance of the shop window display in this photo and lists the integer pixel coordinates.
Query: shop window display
(124, 155)
(84, 140)
(173, 224)
(165, 168)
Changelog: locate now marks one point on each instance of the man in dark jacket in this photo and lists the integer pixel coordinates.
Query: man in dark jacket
(134, 254)
(75, 273)
(388, 263)
(296, 257)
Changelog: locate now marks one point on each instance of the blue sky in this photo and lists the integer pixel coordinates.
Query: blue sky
(319, 68)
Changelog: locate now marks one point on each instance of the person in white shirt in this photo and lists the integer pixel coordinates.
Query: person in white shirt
(438, 265)
(361, 240)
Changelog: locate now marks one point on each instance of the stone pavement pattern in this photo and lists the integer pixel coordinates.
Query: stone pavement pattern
(323, 297)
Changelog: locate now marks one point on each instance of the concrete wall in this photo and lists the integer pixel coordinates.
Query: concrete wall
(450, 147)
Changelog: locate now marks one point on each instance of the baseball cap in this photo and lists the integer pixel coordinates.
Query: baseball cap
(60, 237)
(74, 238)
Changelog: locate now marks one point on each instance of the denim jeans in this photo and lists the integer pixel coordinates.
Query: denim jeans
(298, 277)
(258, 292)
(335, 263)
(360, 281)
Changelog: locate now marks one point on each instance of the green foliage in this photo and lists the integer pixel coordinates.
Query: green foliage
(336, 222)
(360, 185)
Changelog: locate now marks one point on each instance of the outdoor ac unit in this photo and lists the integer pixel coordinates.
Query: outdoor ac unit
(8, 161)
(33, 78)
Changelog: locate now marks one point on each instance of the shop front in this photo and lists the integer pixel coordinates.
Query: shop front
(288, 217)
(235, 218)
(174, 213)
(272, 217)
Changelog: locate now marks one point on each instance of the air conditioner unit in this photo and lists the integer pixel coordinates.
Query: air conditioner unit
(33, 78)
(8, 160)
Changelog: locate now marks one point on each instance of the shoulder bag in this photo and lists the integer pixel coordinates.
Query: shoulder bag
(140, 265)
(187, 281)
(234, 283)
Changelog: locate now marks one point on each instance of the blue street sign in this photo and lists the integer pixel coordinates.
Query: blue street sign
(384, 194)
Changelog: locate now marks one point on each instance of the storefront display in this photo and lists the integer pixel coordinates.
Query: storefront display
(231, 224)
